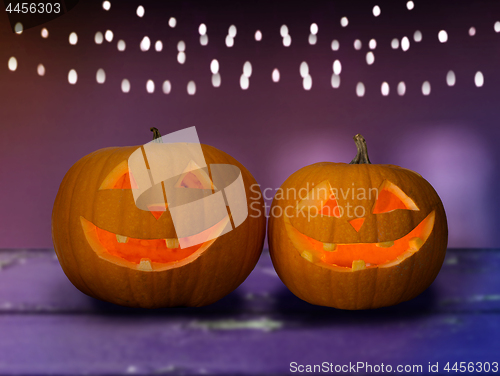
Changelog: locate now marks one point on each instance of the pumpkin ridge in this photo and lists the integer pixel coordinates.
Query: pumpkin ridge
(71, 209)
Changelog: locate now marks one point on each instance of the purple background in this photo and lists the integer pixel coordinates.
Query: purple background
(449, 137)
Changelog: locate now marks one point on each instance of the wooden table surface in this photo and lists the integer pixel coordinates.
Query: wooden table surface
(47, 326)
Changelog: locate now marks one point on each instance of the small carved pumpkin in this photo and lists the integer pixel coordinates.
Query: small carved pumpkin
(114, 251)
(358, 235)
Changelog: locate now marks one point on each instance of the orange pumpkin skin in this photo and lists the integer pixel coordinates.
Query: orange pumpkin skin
(323, 284)
(214, 273)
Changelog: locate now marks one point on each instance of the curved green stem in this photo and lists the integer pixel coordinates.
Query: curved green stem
(156, 135)
(362, 155)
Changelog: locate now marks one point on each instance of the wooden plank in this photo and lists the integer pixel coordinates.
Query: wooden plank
(32, 281)
(255, 345)
(49, 327)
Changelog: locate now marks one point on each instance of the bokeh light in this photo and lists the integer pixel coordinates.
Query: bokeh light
(244, 82)
(426, 88)
(417, 36)
(360, 89)
(214, 66)
(125, 85)
(100, 76)
(443, 36)
(73, 38)
(405, 44)
(337, 67)
(335, 81)
(216, 80)
(140, 11)
(108, 35)
(191, 88)
(304, 69)
(72, 77)
(18, 28)
(150, 86)
(202, 29)
(384, 89)
(307, 82)
(98, 38)
(247, 69)
(40, 69)
(287, 40)
(166, 87)
(12, 64)
(479, 79)
(370, 58)
(232, 31)
(145, 44)
(401, 88)
(450, 78)
(275, 75)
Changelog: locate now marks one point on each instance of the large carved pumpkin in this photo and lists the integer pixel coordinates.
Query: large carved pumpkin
(114, 251)
(358, 235)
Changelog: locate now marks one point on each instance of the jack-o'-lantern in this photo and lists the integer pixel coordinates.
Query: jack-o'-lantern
(115, 251)
(358, 235)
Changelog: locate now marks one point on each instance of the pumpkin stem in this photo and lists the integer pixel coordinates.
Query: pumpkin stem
(156, 135)
(362, 155)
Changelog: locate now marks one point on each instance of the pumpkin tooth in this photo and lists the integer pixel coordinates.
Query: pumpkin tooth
(329, 247)
(145, 265)
(121, 238)
(405, 255)
(358, 265)
(415, 244)
(385, 244)
(172, 243)
(308, 256)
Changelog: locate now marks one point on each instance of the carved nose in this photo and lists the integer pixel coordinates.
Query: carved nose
(157, 214)
(357, 223)
(157, 210)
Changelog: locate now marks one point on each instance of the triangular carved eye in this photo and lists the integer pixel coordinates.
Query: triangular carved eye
(322, 199)
(391, 197)
(119, 178)
(194, 177)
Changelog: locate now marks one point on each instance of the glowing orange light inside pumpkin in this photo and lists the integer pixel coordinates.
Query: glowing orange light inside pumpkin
(391, 197)
(331, 207)
(119, 178)
(194, 177)
(373, 254)
(157, 209)
(321, 198)
(357, 223)
(155, 250)
(126, 181)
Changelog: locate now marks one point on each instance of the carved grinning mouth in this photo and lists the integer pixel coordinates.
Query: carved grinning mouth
(358, 256)
(149, 254)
